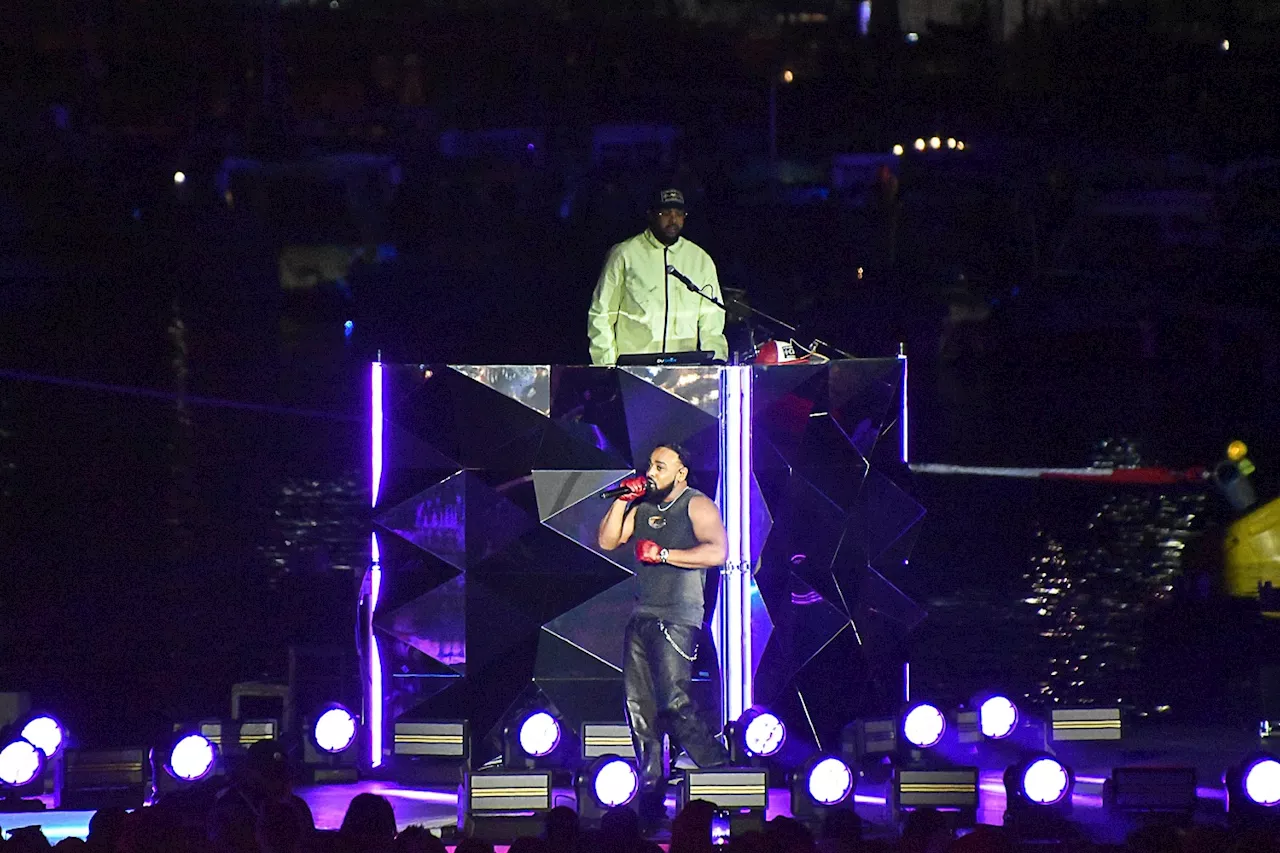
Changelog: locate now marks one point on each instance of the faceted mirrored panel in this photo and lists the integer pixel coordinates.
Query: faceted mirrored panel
(881, 605)
(529, 384)
(697, 386)
(655, 417)
(889, 512)
(772, 385)
(804, 622)
(434, 520)
(837, 687)
(587, 405)
(861, 395)
(434, 624)
(559, 490)
(495, 470)
(498, 631)
(805, 535)
(597, 625)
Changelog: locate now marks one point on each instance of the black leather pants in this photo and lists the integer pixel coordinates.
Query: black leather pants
(656, 669)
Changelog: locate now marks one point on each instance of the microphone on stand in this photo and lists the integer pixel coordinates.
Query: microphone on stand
(671, 270)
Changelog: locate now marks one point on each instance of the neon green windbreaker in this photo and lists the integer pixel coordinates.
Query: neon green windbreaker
(637, 307)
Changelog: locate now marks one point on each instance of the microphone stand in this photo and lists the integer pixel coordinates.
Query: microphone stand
(817, 342)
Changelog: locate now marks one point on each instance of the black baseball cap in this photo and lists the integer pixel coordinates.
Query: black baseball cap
(667, 198)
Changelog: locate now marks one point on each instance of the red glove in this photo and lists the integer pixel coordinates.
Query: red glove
(636, 488)
(648, 551)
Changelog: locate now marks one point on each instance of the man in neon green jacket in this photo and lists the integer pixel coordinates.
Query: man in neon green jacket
(639, 307)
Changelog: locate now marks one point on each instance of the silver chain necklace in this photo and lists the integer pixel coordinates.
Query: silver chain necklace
(670, 503)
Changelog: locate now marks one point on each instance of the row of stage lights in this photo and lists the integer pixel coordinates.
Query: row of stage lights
(915, 743)
(35, 758)
(927, 770)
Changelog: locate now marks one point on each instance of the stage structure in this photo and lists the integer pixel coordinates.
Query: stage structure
(487, 593)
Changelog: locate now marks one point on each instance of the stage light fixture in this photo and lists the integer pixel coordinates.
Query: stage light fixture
(763, 733)
(335, 730)
(829, 781)
(953, 790)
(1262, 782)
(823, 783)
(742, 791)
(1151, 790)
(923, 725)
(1072, 724)
(430, 752)
(1039, 781)
(1038, 797)
(756, 734)
(997, 717)
(502, 805)
(607, 782)
(21, 763)
(534, 741)
(1253, 790)
(99, 779)
(599, 739)
(45, 733)
(539, 734)
(252, 731)
(869, 739)
(329, 748)
(192, 758)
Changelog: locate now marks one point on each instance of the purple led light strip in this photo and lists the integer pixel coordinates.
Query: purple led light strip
(374, 687)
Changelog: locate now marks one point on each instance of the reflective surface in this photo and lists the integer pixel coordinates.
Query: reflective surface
(490, 489)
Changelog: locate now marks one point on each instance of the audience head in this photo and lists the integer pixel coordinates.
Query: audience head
(691, 828)
(561, 829)
(369, 820)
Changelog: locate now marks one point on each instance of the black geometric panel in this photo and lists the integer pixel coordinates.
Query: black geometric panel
(587, 405)
(495, 592)
(860, 394)
(594, 626)
(434, 624)
(655, 416)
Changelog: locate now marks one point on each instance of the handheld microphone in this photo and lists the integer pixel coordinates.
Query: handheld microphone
(614, 493)
(671, 270)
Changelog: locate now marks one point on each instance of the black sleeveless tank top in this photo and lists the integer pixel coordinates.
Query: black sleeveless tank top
(668, 592)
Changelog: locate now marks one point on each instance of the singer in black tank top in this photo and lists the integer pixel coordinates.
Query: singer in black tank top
(676, 535)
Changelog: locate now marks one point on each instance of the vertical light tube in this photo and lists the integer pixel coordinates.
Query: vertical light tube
(374, 669)
(746, 677)
(902, 356)
(735, 584)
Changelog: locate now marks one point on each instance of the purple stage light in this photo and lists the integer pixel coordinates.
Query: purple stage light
(192, 758)
(764, 734)
(539, 734)
(335, 730)
(1045, 781)
(45, 733)
(830, 781)
(997, 717)
(20, 763)
(924, 725)
(1262, 782)
(616, 783)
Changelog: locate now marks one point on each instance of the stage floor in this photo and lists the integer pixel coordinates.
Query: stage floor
(1209, 751)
